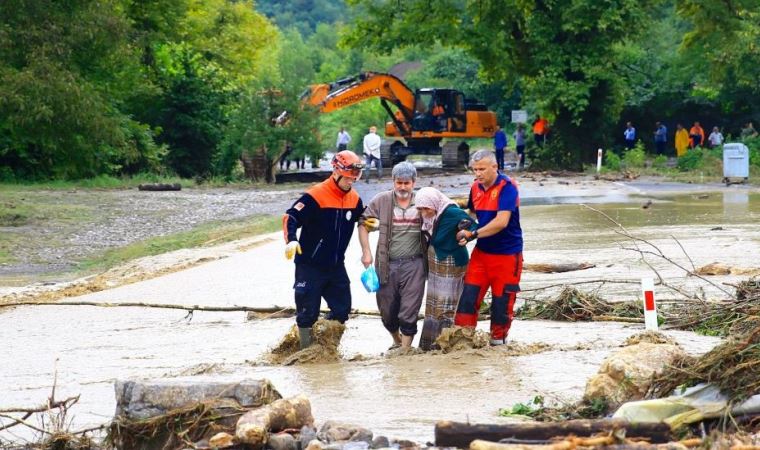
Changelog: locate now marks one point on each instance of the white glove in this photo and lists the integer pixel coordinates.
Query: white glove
(291, 249)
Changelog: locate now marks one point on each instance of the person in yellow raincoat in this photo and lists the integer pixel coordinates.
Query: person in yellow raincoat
(682, 140)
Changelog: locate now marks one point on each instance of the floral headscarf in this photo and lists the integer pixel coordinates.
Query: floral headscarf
(434, 199)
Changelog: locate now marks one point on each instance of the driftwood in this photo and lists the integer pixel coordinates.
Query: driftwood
(253, 427)
(456, 434)
(557, 268)
(607, 442)
(160, 187)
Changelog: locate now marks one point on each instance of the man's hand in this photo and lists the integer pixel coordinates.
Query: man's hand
(291, 249)
(465, 236)
(372, 224)
(366, 259)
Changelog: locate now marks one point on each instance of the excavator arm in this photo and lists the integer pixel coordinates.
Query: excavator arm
(349, 91)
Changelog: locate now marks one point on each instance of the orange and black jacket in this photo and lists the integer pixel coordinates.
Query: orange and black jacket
(327, 216)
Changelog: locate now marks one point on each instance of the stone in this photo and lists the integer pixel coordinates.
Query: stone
(405, 444)
(380, 442)
(282, 441)
(138, 400)
(221, 440)
(308, 434)
(254, 426)
(361, 435)
(333, 431)
(626, 374)
(315, 444)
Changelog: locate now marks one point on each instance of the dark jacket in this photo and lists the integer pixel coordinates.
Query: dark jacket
(327, 216)
(443, 238)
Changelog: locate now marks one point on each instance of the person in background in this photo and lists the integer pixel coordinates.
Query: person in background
(716, 138)
(499, 144)
(696, 136)
(447, 261)
(496, 262)
(372, 143)
(540, 128)
(681, 140)
(660, 137)
(326, 214)
(520, 145)
(343, 139)
(399, 258)
(630, 136)
(749, 131)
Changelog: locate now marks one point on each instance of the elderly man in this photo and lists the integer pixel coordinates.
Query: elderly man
(371, 144)
(399, 256)
(497, 259)
(326, 214)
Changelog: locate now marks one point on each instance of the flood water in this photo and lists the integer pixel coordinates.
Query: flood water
(400, 397)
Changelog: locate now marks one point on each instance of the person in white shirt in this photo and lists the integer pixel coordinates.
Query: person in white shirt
(343, 139)
(372, 144)
(715, 138)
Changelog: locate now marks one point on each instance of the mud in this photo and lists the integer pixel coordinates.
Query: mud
(326, 335)
(455, 339)
(87, 348)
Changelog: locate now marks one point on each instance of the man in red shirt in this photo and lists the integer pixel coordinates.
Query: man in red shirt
(497, 259)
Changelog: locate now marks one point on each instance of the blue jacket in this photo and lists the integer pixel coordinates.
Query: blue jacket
(499, 139)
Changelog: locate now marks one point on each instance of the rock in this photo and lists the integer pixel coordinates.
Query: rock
(333, 431)
(253, 427)
(626, 374)
(137, 400)
(405, 444)
(282, 441)
(380, 442)
(356, 445)
(362, 435)
(308, 434)
(315, 445)
(221, 440)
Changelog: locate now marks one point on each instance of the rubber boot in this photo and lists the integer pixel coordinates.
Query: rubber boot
(304, 336)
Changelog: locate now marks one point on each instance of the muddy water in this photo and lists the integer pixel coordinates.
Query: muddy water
(398, 397)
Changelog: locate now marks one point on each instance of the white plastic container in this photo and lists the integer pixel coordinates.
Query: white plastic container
(735, 162)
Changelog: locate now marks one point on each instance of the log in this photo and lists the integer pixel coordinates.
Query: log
(159, 187)
(253, 427)
(457, 434)
(557, 268)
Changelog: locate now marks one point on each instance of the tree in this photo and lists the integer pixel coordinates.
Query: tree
(561, 52)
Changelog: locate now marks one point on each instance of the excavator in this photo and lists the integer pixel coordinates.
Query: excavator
(419, 120)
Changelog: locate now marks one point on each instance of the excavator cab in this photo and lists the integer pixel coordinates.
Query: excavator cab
(439, 110)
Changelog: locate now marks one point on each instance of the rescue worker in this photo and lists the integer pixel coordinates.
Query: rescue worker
(497, 259)
(399, 260)
(326, 214)
(696, 136)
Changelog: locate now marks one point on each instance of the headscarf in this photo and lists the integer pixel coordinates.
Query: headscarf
(434, 199)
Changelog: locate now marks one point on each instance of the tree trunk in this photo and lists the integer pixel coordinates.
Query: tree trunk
(455, 434)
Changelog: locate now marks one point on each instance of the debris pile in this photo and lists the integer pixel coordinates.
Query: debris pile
(455, 339)
(326, 339)
(575, 306)
(733, 366)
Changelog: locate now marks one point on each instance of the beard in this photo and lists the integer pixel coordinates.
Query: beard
(402, 194)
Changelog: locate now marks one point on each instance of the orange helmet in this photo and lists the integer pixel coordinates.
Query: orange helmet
(348, 164)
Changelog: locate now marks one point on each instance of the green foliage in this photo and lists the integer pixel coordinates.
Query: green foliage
(660, 162)
(635, 157)
(753, 144)
(692, 160)
(612, 161)
(530, 409)
(305, 15)
(559, 53)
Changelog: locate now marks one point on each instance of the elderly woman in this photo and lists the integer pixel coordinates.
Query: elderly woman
(447, 261)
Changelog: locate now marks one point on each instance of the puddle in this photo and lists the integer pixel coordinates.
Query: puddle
(397, 397)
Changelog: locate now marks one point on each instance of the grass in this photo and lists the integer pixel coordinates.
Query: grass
(212, 233)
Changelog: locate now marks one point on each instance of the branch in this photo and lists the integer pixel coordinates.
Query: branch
(42, 408)
(17, 421)
(271, 309)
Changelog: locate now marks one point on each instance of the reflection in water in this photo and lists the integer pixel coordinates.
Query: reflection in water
(736, 204)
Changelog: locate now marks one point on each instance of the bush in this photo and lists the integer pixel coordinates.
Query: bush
(660, 161)
(612, 161)
(754, 150)
(692, 160)
(635, 157)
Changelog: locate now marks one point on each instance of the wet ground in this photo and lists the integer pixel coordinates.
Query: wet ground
(399, 397)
